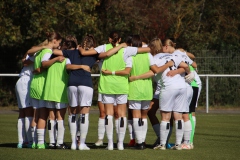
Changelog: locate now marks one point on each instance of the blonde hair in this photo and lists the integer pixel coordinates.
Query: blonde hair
(169, 42)
(156, 46)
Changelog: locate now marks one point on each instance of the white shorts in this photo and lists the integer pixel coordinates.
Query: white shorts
(173, 100)
(80, 96)
(139, 105)
(100, 98)
(23, 93)
(189, 97)
(114, 98)
(38, 103)
(56, 105)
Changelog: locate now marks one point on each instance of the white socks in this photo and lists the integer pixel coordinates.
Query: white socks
(52, 131)
(41, 136)
(73, 128)
(21, 130)
(187, 132)
(144, 129)
(101, 128)
(60, 131)
(84, 124)
(34, 134)
(179, 131)
(109, 128)
(131, 129)
(164, 130)
(122, 125)
(137, 125)
(28, 121)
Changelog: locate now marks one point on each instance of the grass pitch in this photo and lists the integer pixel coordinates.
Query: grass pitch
(217, 137)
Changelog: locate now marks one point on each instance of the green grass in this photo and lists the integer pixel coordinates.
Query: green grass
(217, 137)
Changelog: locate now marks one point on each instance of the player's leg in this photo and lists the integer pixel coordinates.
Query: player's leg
(192, 112)
(21, 128)
(34, 123)
(144, 110)
(164, 129)
(28, 120)
(41, 124)
(121, 101)
(180, 104)
(116, 118)
(108, 101)
(135, 106)
(131, 128)
(85, 95)
(187, 122)
(51, 124)
(101, 121)
(60, 114)
(72, 119)
(154, 107)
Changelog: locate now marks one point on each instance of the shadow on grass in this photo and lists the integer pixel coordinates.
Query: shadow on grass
(68, 144)
(8, 145)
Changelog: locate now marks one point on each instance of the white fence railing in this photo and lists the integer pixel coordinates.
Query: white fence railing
(201, 75)
(207, 80)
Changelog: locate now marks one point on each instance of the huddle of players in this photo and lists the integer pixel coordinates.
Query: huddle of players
(55, 79)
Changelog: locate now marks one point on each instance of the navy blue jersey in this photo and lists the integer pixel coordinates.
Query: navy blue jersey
(80, 77)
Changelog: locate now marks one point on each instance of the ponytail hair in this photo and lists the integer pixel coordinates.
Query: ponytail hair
(115, 36)
(88, 42)
(53, 35)
(156, 46)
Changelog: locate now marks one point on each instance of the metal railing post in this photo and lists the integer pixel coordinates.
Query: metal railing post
(207, 100)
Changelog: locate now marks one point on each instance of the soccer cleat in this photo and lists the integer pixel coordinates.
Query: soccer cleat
(177, 147)
(52, 146)
(191, 145)
(34, 146)
(186, 146)
(160, 147)
(140, 146)
(46, 145)
(99, 143)
(41, 146)
(157, 142)
(169, 145)
(19, 145)
(110, 147)
(25, 145)
(132, 143)
(83, 147)
(120, 146)
(61, 146)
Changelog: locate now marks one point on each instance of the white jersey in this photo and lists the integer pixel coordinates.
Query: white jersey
(185, 59)
(164, 81)
(27, 70)
(197, 79)
(184, 56)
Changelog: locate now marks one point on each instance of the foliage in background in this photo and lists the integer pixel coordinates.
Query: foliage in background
(208, 29)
